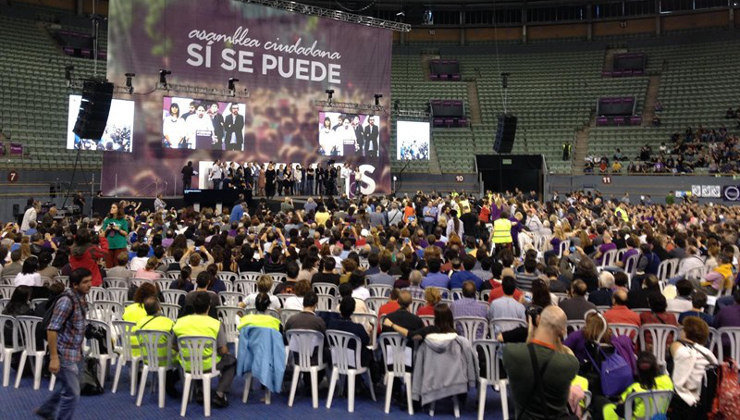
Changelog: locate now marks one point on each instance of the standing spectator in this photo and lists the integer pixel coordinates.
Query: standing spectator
(116, 229)
(531, 383)
(65, 334)
(86, 254)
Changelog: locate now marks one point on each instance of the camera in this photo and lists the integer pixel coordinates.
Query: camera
(533, 312)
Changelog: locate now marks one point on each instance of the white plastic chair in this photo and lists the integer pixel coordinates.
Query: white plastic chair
(499, 325)
(371, 321)
(170, 310)
(245, 287)
(106, 311)
(118, 282)
(326, 303)
(163, 283)
(393, 346)
(374, 303)
(27, 328)
(173, 274)
(659, 334)
(117, 294)
(230, 298)
(471, 327)
(192, 350)
(285, 314)
(150, 342)
(734, 335)
(380, 290)
(562, 246)
(227, 276)
(575, 325)
(3, 303)
(416, 304)
(6, 291)
(428, 320)
(654, 402)
(277, 278)
(630, 330)
(630, 267)
(249, 276)
(666, 269)
(229, 317)
(8, 348)
(173, 295)
(304, 343)
(488, 351)
(325, 289)
(346, 361)
(609, 259)
(125, 355)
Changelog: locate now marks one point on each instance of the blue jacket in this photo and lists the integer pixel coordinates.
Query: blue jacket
(236, 213)
(261, 351)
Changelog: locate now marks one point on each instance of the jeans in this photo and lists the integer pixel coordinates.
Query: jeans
(66, 394)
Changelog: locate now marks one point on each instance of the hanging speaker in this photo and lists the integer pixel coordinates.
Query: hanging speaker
(505, 133)
(94, 109)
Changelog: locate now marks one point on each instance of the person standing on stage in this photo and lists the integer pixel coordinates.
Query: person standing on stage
(215, 174)
(187, 175)
(371, 137)
(270, 175)
(299, 180)
(116, 230)
(310, 176)
(261, 182)
(234, 128)
(320, 179)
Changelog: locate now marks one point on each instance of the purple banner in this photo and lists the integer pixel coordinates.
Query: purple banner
(284, 60)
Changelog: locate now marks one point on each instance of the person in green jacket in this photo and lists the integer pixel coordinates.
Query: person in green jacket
(116, 231)
(670, 198)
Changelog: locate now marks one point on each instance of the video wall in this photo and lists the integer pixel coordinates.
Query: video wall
(119, 128)
(284, 60)
(412, 140)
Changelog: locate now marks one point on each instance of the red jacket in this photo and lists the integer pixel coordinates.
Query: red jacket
(88, 258)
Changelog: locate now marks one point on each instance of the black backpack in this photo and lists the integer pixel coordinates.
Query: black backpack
(50, 304)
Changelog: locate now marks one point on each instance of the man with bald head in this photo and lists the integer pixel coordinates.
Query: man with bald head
(620, 313)
(541, 368)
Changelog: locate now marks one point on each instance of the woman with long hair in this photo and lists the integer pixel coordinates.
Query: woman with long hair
(183, 282)
(86, 254)
(29, 275)
(116, 229)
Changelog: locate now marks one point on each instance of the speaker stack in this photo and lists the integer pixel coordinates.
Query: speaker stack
(94, 109)
(505, 133)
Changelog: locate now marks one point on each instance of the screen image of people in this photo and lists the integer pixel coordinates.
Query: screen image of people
(412, 140)
(202, 124)
(118, 129)
(342, 134)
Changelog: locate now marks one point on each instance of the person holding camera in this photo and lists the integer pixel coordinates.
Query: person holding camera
(116, 230)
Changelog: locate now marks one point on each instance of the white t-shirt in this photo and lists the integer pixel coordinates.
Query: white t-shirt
(293, 302)
(28, 280)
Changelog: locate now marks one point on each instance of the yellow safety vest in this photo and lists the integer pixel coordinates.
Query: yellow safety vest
(201, 326)
(622, 214)
(502, 231)
(156, 323)
(259, 320)
(134, 313)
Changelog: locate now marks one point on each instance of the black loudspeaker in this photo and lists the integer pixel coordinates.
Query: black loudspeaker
(505, 133)
(94, 108)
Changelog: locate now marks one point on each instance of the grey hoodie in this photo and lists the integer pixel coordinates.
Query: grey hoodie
(445, 365)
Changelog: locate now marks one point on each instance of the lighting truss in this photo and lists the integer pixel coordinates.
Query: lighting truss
(78, 85)
(306, 9)
(348, 105)
(200, 90)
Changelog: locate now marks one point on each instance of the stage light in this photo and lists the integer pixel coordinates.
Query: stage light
(329, 94)
(377, 99)
(129, 85)
(68, 74)
(231, 87)
(163, 77)
(428, 17)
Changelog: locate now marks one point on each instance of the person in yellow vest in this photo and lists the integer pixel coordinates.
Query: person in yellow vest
(135, 312)
(501, 236)
(648, 379)
(156, 322)
(199, 325)
(621, 213)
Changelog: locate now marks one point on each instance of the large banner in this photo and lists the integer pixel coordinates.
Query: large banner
(285, 61)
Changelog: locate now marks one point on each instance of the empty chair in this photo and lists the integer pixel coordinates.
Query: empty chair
(488, 351)
(326, 289)
(278, 278)
(374, 303)
(396, 356)
(156, 357)
(733, 335)
(229, 317)
(106, 311)
(326, 303)
(117, 294)
(198, 359)
(368, 320)
(121, 282)
(13, 345)
(125, 355)
(230, 298)
(380, 290)
(245, 287)
(345, 348)
(303, 344)
(27, 328)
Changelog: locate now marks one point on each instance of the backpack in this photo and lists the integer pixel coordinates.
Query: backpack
(728, 406)
(50, 304)
(615, 373)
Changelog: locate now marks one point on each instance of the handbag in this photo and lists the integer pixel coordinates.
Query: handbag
(615, 373)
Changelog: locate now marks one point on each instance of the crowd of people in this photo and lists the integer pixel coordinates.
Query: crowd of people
(273, 179)
(713, 150)
(440, 258)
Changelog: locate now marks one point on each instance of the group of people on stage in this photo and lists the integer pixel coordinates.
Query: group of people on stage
(348, 135)
(272, 179)
(203, 127)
